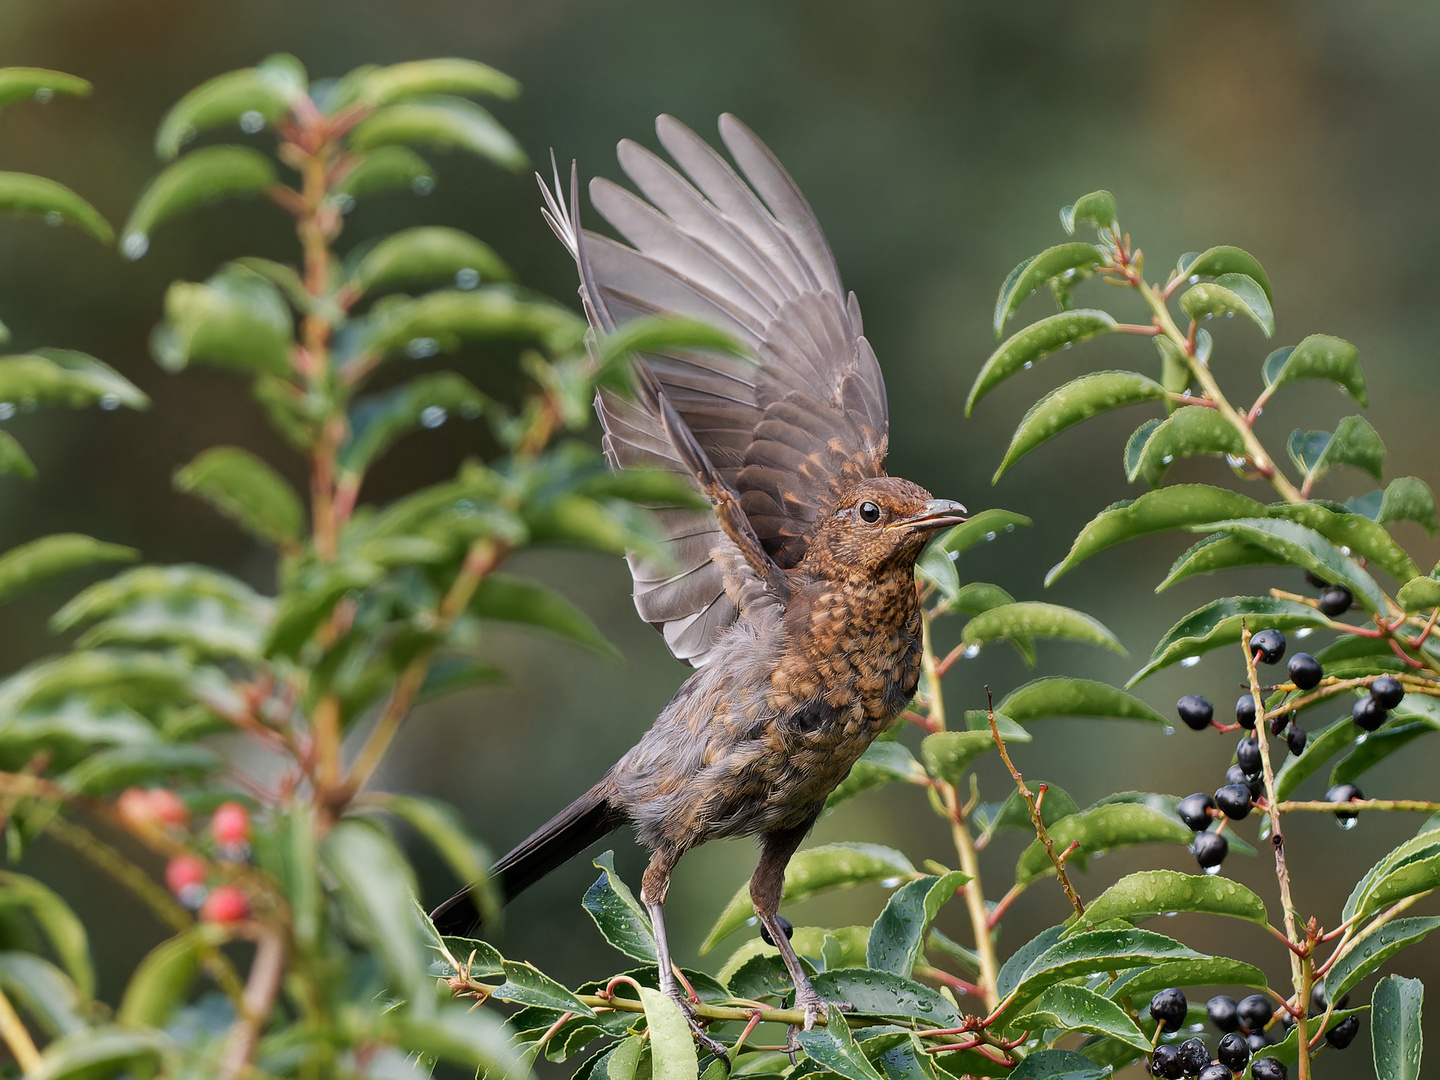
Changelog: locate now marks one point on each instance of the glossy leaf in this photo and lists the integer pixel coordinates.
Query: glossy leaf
(251, 98)
(378, 421)
(1028, 619)
(13, 459)
(200, 177)
(937, 568)
(815, 870)
(1355, 531)
(1149, 893)
(672, 1048)
(1354, 442)
(50, 556)
(1306, 549)
(1397, 1035)
(427, 256)
(1188, 431)
(1097, 209)
(1013, 813)
(898, 935)
(1217, 625)
(22, 193)
(836, 1051)
(442, 320)
(947, 754)
(980, 596)
(60, 925)
(20, 84)
(1218, 261)
(1319, 356)
(1074, 697)
(1230, 293)
(245, 489)
(1156, 511)
(880, 993)
(236, 319)
(1077, 400)
(980, 528)
(1075, 1008)
(1213, 553)
(1365, 955)
(163, 977)
(1101, 828)
(1422, 846)
(1035, 343)
(1058, 1065)
(512, 599)
(65, 377)
(445, 123)
(1408, 498)
(445, 831)
(424, 78)
(44, 992)
(385, 169)
(1419, 594)
(1037, 270)
(883, 762)
(1092, 952)
(663, 334)
(618, 914)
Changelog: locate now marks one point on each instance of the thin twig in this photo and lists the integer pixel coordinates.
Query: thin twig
(17, 1038)
(266, 971)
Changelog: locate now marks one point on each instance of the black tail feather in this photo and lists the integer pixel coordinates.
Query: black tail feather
(586, 820)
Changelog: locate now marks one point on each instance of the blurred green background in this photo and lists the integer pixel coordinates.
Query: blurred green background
(936, 140)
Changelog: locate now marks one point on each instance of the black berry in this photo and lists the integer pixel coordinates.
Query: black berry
(1342, 1034)
(1254, 1012)
(1253, 784)
(1344, 793)
(1221, 1008)
(1335, 600)
(1245, 711)
(1193, 1056)
(1210, 849)
(1279, 722)
(1268, 646)
(1166, 1062)
(1233, 1052)
(1247, 755)
(1168, 1008)
(1295, 739)
(1305, 671)
(1387, 691)
(1267, 1069)
(785, 925)
(1368, 714)
(1319, 1002)
(1233, 801)
(1194, 810)
(1195, 711)
(1256, 1041)
(1318, 582)
(1215, 1072)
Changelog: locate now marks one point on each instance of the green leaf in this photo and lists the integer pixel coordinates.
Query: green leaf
(1366, 953)
(99, 1052)
(108, 771)
(1217, 625)
(836, 1051)
(980, 596)
(883, 762)
(947, 754)
(1355, 531)
(22, 193)
(881, 993)
(672, 1048)
(1413, 853)
(1101, 828)
(1419, 594)
(251, 98)
(445, 123)
(1013, 813)
(163, 977)
(60, 925)
(425, 78)
(1218, 261)
(618, 914)
(1190, 430)
(526, 985)
(1217, 553)
(385, 169)
(442, 320)
(1320, 748)
(1028, 619)
(445, 831)
(1149, 893)
(1142, 983)
(513, 599)
(935, 567)
(1227, 294)
(19, 84)
(200, 177)
(1058, 1065)
(815, 870)
(378, 421)
(236, 319)
(474, 1038)
(13, 459)
(1093, 952)
(1035, 343)
(46, 993)
(427, 256)
(65, 377)
(1076, 1009)
(1096, 208)
(174, 584)
(1408, 498)
(1355, 442)
(1304, 548)
(982, 527)
(1397, 1035)
(1378, 746)
(50, 556)
(1319, 356)
(1058, 261)
(898, 935)
(1077, 400)
(245, 489)
(1156, 511)
(1075, 697)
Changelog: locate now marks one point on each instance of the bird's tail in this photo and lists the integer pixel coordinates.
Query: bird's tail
(584, 821)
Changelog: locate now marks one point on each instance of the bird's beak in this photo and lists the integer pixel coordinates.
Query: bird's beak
(936, 514)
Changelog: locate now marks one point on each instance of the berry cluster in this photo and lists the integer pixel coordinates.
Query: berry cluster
(159, 814)
(1243, 1034)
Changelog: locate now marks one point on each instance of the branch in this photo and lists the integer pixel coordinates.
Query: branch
(266, 971)
(17, 1038)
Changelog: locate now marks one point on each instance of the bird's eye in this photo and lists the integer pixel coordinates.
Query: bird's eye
(869, 513)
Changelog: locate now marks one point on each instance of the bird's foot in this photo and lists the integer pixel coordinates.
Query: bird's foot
(816, 1008)
(705, 1040)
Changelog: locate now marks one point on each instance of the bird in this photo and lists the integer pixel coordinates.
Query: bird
(792, 591)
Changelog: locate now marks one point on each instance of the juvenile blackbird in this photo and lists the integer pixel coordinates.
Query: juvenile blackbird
(794, 595)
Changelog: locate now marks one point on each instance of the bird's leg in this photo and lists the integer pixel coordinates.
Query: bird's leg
(653, 887)
(767, 885)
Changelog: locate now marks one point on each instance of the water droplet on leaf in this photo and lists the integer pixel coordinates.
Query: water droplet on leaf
(467, 278)
(7, 410)
(252, 121)
(109, 402)
(54, 219)
(970, 652)
(422, 184)
(421, 347)
(135, 245)
(1190, 661)
(432, 416)
(44, 95)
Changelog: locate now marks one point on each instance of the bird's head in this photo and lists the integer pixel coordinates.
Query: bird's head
(880, 523)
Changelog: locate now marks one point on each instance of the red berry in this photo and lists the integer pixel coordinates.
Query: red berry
(167, 808)
(230, 824)
(134, 808)
(225, 904)
(185, 871)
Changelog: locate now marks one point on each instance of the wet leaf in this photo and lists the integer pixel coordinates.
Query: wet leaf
(1156, 511)
(1077, 400)
(384, 169)
(883, 762)
(1058, 1065)
(513, 599)
(252, 98)
(379, 420)
(1218, 261)
(1144, 982)
(1408, 498)
(1102, 828)
(1319, 356)
(20, 84)
(1378, 746)
(1306, 549)
(1093, 952)
(1013, 813)
(22, 193)
(1075, 1008)
(1355, 531)
(236, 319)
(1230, 293)
(50, 556)
(672, 1048)
(1035, 271)
(1365, 954)
(1096, 208)
(1149, 893)
(1424, 846)
(1397, 1035)
(60, 925)
(980, 528)
(526, 985)
(442, 320)
(65, 377)
(1190, 430)
(815, 870)
(427, 256)
(446, 123)
(1035, 343)
(898, 935)
(245, 489)
(935, 567)
(618, 914)
(1053, 696)
(1320, 748)
(1217, 625)
(881, 993)
(44, 992)
(424, 78)
(837, 1052)
(1221, 552)
(200, 177)
(980, 596)
(1354, 442)
(1419, 594)
(1028, 619)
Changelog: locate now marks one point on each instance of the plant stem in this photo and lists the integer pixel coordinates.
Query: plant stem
(1319, 806)
(266, 971)
(17, 1038)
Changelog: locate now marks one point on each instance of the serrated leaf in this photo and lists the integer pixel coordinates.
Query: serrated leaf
(1155, 511)
(50, 556)
(251, 98)
(1097, 209)
(1354, 442)
(881, 993)
(1227, 294)
(1036, 271)
(1101, 828)
(1217, 624)
(1419, 849)
(1013, 813)
(379, 420)
(1355, 531)
(427, 256)
(672, 1049)
(815, 870)
(180, 582)
(1304, 548)
(1035, 343)
(1408, 498)
(1054, 696)
(60, 925)
(384, 169)
(1149, 893)
(1190, 430)
(1075, 1008)
(1028, 619)
(245, 489)
(425, 78)
(1222, 260)
(1365, 954)
(235, 319)
(1397, 1036)
(1058, 1065)
(836, 1051)
(1077, 400)
(22, 193)
(1213, 553)
(19, 84)
(898, 935)
(445, 123)
(443, 319)
(1318, 356)
(1092, 952)
(1141, 983)
(473, 1038)
(200, 177)
(980, 528)
(618, 914)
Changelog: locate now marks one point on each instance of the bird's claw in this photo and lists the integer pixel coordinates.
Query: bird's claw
(705, 1040)
(817, 1008)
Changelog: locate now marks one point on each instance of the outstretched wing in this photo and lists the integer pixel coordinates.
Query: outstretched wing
(784, 430)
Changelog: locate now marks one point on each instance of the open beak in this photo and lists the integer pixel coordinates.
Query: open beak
(936, 514)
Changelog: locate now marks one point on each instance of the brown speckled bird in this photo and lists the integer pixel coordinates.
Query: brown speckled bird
(794, 595)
